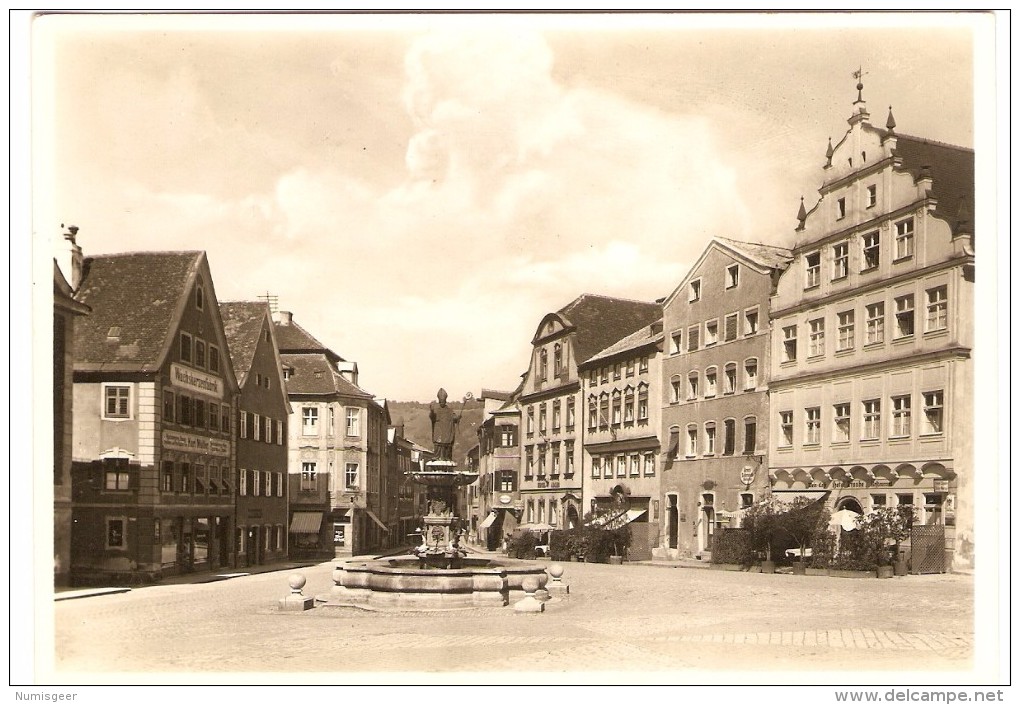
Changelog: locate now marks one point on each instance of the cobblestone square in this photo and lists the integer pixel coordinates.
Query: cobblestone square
(637, 618)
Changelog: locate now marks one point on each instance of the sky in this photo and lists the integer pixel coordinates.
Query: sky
(419, 191)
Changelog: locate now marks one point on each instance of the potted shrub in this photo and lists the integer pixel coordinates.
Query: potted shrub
(886, 528)
(800, 522)
(620, 541)
(761, 520)
(857, 555)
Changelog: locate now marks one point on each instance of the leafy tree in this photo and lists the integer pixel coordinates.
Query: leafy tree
(762, 520)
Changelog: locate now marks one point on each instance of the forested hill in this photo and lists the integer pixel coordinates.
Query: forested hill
(417, 427)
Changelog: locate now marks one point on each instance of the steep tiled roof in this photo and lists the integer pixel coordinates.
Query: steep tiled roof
(765, 255)
(136, 296)
(602, 320)
(242, 324)
(292, 338)
(639, 338)
(314, 373)
(952, 172)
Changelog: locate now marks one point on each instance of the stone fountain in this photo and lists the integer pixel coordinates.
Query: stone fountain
(439, 573)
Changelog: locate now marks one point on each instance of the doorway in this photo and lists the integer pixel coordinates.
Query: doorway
(706, 527)
(672, 520)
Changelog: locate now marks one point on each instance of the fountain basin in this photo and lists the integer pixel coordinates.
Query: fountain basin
(402, 584)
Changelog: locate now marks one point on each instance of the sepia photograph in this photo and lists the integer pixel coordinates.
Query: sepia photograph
(512, 348)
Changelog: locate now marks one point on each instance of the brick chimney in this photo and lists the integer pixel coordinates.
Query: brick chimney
(69, 257)
(284, 318)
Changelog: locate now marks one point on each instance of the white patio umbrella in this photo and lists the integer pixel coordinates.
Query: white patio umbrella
(846, 519)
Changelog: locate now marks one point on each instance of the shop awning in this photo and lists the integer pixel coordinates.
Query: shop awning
(374, 518)
(306, 523)
(488, 521)
(632, 514)
(616, 521)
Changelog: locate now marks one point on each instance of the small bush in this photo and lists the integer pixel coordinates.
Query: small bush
(560, 544)
(522, 545)
(823, 544)
(733, 546)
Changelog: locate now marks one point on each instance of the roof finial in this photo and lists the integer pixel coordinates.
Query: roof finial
(802, 213)
(829, 151)
(859, 75)
(890, 124)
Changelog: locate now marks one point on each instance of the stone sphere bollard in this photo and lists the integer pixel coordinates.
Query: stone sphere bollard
(556, 586)
(295, 601)
(529, 604)
(338, 575)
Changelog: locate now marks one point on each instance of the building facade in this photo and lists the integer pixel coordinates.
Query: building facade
(550, 401)
(154, 472)
(621, 466)
(871, 372)
(65, 311)
(714, 394)
(261, 438)
(499, 508)
(337, 449)
(398, 464)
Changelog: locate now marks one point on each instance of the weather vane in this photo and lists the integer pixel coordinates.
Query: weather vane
(859, 74)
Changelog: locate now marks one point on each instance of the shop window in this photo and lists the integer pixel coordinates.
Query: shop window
(116, 533)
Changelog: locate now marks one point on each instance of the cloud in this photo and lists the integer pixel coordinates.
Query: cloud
(518, 194)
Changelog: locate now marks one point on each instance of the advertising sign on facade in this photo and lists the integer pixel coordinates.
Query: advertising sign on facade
(191, 443)
(195, 381)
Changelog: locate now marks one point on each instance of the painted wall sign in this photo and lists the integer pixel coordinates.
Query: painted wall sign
(195, 381)
(191, 443)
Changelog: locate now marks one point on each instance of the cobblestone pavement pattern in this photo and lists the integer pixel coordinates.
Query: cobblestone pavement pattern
(617, 618)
